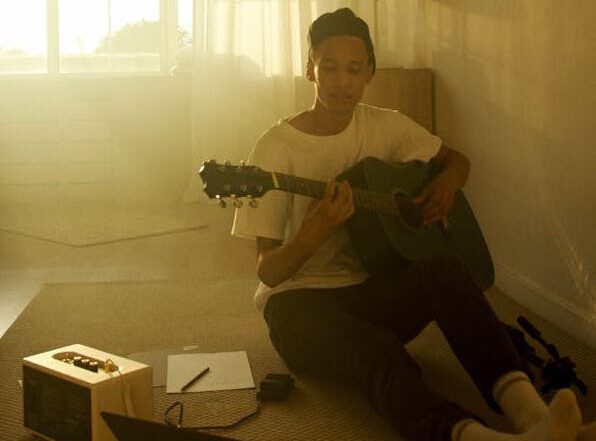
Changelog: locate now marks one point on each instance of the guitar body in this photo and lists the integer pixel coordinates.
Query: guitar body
(385, 243)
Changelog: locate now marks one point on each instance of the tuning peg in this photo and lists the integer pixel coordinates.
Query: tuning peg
(221, 202)
(237, 203)
(253, 203)
(242, 163)
(227, 163)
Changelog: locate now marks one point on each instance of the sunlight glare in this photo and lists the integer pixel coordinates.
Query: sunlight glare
(14, 36)
(84, 24)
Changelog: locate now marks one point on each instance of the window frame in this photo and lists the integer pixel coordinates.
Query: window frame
(168, 19)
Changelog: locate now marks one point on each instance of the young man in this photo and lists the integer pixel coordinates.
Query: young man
(326, 315)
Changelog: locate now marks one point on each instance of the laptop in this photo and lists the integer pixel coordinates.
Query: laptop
(126, 428)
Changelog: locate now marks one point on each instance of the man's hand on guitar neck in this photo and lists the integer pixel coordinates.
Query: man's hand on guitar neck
(277, 261)
(326, 215)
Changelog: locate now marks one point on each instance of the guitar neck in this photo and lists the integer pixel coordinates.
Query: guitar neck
(364, 199)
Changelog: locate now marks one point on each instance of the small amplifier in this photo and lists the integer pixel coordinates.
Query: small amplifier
(64, 391)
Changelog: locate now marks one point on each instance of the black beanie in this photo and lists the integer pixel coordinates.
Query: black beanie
(342, 22)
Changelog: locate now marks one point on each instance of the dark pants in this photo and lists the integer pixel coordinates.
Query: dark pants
(357, 334)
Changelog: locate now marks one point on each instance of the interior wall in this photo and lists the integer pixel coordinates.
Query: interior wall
(515, 90)
(73, 141)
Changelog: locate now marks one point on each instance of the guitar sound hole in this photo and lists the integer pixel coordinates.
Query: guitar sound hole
(411, 214)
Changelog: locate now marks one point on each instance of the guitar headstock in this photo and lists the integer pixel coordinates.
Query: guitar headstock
(227, 180)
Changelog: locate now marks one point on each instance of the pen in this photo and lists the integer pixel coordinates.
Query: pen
(194, 379)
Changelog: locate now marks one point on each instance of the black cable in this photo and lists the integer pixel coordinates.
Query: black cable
(557, 372)
(223, 426)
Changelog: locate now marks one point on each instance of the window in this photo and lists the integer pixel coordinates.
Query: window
(92, 36)
(23, 36)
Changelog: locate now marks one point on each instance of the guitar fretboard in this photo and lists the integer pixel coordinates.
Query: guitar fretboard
(364, 199)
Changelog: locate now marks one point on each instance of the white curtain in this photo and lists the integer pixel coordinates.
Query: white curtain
(249, 56)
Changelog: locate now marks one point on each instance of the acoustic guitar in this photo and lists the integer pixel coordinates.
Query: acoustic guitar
(386, 229)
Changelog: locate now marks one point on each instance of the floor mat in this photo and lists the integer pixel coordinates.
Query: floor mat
(96, 224)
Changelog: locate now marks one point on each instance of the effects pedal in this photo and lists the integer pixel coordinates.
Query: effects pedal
(275, 387)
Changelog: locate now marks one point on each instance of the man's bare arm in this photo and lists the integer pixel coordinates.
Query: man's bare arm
(277, 262)
(455, 167)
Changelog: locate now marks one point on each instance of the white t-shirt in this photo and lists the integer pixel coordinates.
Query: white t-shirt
(382, 133)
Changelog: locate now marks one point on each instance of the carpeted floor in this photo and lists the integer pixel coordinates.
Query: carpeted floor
(218, 315)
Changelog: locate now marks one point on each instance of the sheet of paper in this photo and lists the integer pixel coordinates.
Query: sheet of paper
(227, 370)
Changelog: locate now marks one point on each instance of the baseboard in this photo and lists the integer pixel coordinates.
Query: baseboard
(556, 309)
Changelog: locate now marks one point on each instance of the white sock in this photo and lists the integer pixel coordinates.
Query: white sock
(519, 399)
(560, 423)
